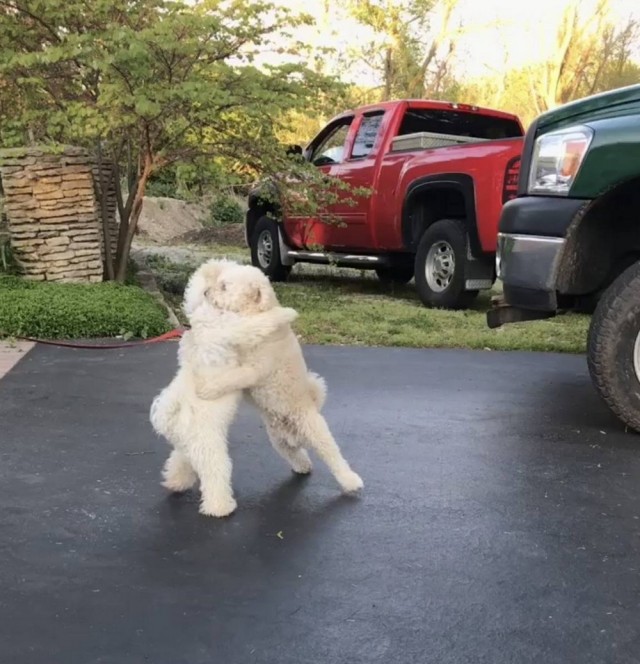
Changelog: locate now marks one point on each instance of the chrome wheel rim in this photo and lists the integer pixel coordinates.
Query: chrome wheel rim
(265, 249)
(636, 357)
(440, 266)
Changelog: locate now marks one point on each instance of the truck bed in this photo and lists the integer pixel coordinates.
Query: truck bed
(426, 140)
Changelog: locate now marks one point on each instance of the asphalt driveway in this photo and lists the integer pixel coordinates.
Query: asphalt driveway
(500, 520)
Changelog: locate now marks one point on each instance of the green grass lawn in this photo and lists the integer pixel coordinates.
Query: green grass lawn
(50, 310)
(352, 308)
(74, 311)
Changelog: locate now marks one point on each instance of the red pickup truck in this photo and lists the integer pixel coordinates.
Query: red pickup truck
(438, 174)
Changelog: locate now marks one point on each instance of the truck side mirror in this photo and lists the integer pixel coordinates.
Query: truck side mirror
(296, 153)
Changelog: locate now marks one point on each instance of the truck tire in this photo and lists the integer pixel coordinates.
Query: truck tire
(397, 275)
(613, 352)
(440, 266)
(265, 250)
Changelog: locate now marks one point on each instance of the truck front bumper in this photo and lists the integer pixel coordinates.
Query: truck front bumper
(531, 246)
(527, 267)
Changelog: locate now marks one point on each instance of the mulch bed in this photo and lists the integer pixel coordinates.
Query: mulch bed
(231, 235)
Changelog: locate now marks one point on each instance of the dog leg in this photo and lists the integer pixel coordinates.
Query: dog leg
(295, 455)
(315, 432)
(209, 456)
(178, 473)
(212, 384)
(250, 331)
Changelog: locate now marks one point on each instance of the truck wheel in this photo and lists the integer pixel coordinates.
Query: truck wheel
(440, 266)
(398, 275)
(613, 352)
(265, 250)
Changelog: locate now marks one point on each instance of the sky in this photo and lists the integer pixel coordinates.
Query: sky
(497, 32)
(525, 31)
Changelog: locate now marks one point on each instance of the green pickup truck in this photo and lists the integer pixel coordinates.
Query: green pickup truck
(570, 240)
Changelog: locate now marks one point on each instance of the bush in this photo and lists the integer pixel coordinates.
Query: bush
(163, 184)
(224, 210)
(171, 277)
(76, 311)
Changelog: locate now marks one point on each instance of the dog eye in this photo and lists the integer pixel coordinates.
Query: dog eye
(206, 293)
(223, 287)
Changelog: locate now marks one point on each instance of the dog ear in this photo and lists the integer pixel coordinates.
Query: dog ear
(214, 267)
(265, 297)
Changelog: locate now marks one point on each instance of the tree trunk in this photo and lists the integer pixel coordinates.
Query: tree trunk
(106, 231)
(124, 250)
(388, 74)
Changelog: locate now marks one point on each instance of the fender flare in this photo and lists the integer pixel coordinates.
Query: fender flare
(458, 182)
(259, 205)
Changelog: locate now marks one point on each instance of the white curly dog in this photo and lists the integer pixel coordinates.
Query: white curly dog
(288, 396)
(241, 339)
(197, 429)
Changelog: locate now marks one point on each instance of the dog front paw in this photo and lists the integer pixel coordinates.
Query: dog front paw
(351, 482)
(201, 387)
(205, 394)
(218, 508)
(289, 314)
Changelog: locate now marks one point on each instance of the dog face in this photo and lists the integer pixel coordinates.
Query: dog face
(201, 281)
(242, 289)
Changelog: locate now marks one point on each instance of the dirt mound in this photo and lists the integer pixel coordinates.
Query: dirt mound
(166, 219)
(231, 235)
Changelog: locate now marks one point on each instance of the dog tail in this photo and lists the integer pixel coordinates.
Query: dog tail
(318, 389)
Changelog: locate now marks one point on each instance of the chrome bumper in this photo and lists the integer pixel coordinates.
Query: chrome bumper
(528, 261)
(527, 265)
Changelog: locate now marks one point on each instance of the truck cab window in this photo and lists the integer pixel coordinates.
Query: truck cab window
(331, 148)
(459, 123)
(367, 135)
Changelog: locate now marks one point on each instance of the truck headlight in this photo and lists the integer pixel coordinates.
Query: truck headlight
(557, 158)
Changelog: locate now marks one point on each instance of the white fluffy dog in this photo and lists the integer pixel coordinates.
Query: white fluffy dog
(198, 429)
(287, 394)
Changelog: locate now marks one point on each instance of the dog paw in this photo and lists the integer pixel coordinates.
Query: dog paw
(218, 508)
(289, 314)
(351, 482)
(205, 394)
(179, 483)
(302, 464)
(204, 390)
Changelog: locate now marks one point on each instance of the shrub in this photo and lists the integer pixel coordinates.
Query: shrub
(75, 311)
(224, 210)
(171, 277)
(163, 184)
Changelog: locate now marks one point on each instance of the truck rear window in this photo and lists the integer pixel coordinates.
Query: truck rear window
(458, 123)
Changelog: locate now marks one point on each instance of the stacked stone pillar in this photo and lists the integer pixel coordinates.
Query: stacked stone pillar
(53, 213)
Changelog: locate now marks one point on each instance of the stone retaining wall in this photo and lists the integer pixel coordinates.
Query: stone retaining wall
(53, 213)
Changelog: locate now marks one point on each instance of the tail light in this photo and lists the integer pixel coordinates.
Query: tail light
(511, 178)
(463, 107)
